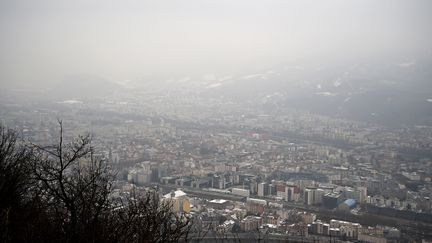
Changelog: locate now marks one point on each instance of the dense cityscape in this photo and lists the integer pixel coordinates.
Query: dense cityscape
(290, 173)
(151, 121)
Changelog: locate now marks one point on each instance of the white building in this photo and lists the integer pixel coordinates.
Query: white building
(241, 192)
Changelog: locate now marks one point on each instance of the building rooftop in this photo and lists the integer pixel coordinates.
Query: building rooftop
(350, 203)
(218, 201)
(175, 194)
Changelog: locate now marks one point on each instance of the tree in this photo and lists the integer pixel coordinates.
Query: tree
(146, 218)
(62, 193)
(77, 188)
(13, 169)
(14, 183)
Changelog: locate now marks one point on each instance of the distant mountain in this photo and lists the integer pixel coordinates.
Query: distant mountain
(83, 86)
(390, 93)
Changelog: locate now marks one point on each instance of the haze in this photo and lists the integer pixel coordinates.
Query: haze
(239, 120)
(42, 42)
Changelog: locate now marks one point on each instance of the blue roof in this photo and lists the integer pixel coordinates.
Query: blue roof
(350, 203)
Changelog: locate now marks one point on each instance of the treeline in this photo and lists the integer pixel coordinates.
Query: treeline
(62, 193)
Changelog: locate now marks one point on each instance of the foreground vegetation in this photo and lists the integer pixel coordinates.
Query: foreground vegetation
(61, 193)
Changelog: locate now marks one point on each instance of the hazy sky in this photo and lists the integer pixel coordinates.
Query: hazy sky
(44, 41)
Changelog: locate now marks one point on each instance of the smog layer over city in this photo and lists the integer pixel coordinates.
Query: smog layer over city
(216, 121)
